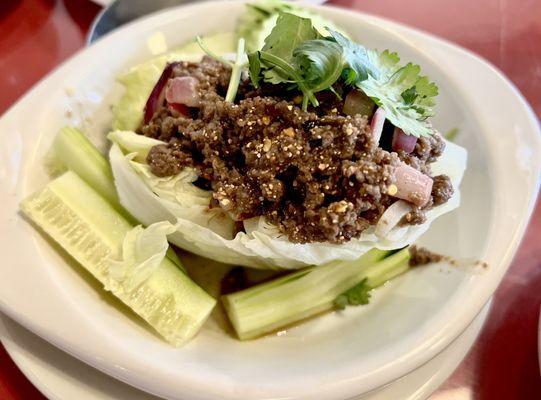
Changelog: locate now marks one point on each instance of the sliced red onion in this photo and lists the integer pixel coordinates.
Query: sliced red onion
(157, 96)
(357, 102)
(180, 108)
(376, 125)
(183, 90)
(403, 141)
(391, 217)
(411, 185)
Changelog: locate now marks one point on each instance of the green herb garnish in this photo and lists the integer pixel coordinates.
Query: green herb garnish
(298, 56)
(355, 296)
(406, 96)
(236, 67)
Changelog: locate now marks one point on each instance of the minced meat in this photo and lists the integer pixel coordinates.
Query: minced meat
(442, 189)
(421, 256)
(316, 174)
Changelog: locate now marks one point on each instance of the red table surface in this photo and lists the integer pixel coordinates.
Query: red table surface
(36, 35)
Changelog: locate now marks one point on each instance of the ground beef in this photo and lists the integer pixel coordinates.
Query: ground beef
(415, 217)
(168, 160)
(316, 174)
(421, 256)
(442, 190)
(427, 150)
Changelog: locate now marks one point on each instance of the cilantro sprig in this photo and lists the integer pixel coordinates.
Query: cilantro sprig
(236, 67)
(355, 296)
(297, 55)
(406, 96)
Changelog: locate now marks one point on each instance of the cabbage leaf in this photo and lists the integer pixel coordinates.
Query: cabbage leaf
(139, 80)
(154, 199)
(143, 250)
(210, 233)
(130, 142)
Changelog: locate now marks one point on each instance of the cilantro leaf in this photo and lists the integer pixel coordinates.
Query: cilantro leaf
(275, 62)
(385, 61)
(254, 66)
(406, 96)
(295, 54)
(357, 59)
(409, 95)
(260, 17)
(289, 32)
(320, 63)
(289, 73)
(357, 295)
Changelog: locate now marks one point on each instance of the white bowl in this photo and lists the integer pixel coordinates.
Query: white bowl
(333, 357)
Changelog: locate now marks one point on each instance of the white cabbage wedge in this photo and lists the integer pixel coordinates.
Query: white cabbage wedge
(209, 232)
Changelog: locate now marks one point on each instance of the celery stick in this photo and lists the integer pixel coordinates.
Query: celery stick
(92, 232)
(302, 294)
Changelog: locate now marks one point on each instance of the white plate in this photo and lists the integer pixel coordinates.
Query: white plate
(60, 376)
(333, 357)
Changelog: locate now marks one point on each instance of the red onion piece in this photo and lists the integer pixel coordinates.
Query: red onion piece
(403, 141)
(180, 108)
(157, 96)
(391, 217)
(357, 102)
(412, 185)
(376, 125)
(183, 90)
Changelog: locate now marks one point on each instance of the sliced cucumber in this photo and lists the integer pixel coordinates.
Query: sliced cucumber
(73, 149)
(283, 301)
(92, 232)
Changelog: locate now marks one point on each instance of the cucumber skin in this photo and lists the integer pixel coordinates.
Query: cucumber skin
(101, 230)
